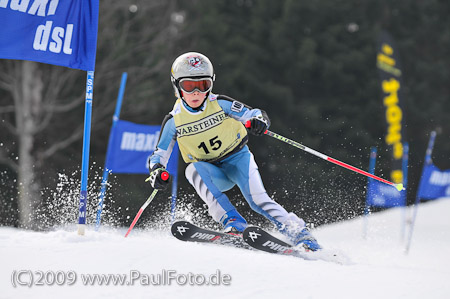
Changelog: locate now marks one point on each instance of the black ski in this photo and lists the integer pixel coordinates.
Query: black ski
(262, 240)
(259, 239)
(186, 231)
(253, 238)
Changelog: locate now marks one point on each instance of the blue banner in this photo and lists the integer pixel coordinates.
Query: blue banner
(383, 195)
(132, 145)
(434, 183)
(50, 31)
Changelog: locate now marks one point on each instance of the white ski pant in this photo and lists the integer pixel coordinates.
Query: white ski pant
(210, 180)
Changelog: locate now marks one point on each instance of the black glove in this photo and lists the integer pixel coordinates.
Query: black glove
(259, 124)
(159, 177)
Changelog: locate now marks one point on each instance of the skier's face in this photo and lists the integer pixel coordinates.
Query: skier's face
(195, 99)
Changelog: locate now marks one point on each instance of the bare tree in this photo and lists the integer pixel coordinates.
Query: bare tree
(41, 110)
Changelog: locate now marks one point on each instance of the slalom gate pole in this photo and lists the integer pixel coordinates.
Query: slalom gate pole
(399, 187)
(85, 154)
(165, 177)
(428, 161)
(405, 183)
(106, 169)
(372, 160)
(173, 204)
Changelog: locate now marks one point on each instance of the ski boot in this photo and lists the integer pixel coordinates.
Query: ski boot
(233, 222)
(306, 239)
(295, 229)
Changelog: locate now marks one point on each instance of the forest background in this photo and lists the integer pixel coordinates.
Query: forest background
(310, 64)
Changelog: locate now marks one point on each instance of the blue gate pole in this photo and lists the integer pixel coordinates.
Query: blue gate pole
(85, 155)
(416, 203)
(174, 196)
(405, 184)
(175, 151)
(373, 158)
(106, 169)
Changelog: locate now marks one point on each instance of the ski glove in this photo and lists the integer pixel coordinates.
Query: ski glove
(159, 177)
(259, 124)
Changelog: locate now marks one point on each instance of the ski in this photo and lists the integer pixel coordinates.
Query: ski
(186, 231)
(254, 238)
(259, 239)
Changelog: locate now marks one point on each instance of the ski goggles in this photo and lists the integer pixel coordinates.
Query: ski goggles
(190, 85)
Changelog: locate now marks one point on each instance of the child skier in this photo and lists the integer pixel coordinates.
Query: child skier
(212, 139)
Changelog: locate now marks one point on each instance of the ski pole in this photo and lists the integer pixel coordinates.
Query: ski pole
(165, 177)
(138, 215)
(399, 187)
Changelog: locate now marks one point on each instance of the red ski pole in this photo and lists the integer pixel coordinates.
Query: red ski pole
(399, 187)
(165, 177)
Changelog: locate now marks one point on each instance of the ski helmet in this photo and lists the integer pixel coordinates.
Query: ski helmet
(192, 65)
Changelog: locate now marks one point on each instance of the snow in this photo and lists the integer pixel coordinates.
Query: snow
(379, 268)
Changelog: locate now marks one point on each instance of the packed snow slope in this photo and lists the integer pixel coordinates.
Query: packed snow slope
(379, 267)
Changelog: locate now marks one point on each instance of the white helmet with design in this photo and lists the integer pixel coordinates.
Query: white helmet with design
(197, 68)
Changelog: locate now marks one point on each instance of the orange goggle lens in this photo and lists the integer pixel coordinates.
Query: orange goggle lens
(190, 85)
